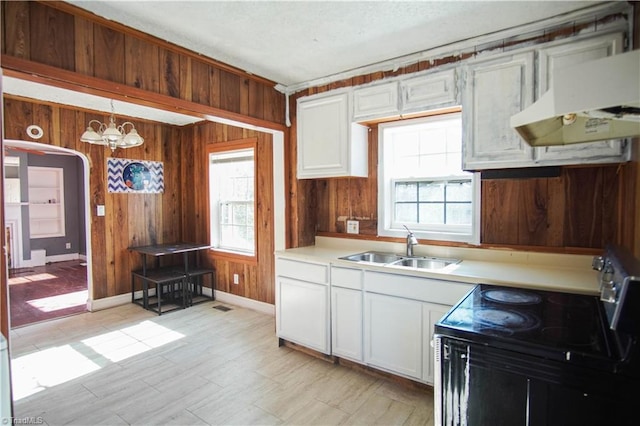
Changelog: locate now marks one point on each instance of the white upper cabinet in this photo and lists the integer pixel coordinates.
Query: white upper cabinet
(429, 91)
(561, 54)
(496, 88)
(380, 100)
(330, 144)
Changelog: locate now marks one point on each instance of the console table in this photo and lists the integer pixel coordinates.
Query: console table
(176, 287)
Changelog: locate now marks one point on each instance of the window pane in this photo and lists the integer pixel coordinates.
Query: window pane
(432, 213)
(231, 195)
(459, 214)
(459, 191)
(407, 213)
(406, 191)
(430, 191)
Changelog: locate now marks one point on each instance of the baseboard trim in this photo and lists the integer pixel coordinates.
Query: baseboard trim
(221, 296)
(113, 301)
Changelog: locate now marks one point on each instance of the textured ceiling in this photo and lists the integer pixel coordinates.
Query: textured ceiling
(293, 42)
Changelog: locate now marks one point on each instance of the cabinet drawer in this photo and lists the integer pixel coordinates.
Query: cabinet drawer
(305, 271)
(378, 100)
(424, 289)
(428, 91)
(346, 277)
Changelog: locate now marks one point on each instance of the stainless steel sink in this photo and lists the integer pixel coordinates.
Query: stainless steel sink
(373, 257)
(396, 260)
(424, 262)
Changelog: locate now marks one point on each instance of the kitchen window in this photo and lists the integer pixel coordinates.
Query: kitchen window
(422, 184)
(232, 200)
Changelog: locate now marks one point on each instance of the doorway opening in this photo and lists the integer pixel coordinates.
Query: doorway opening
(47, 232)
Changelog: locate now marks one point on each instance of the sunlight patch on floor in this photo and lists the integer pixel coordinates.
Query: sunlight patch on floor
(38, 371)
(32, 278)
(61, 301)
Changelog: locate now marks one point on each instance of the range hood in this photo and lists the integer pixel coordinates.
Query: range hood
(592, 101)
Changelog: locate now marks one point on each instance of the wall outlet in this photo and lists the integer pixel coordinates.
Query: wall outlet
(353, 227)
(236, 279)
(67, 245)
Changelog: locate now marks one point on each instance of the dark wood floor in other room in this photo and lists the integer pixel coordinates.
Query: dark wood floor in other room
(45, 292)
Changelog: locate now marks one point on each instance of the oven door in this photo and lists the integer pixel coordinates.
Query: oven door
(479, 385)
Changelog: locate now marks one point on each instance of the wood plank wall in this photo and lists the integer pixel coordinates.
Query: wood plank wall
(66, 38)
(130, 219)
(62, 36)
(178, 214)
(256, 276)
(580, 211)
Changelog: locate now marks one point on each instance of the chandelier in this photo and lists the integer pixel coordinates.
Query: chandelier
(111, 135)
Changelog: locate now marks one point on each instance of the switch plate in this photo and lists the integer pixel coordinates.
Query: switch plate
(100, 209)
(236, 279)
(353, 227)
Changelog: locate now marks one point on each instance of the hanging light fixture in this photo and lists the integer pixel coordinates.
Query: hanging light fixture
(111, 135)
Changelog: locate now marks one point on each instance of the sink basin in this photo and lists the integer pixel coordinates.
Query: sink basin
(424, 262)
(373, 257)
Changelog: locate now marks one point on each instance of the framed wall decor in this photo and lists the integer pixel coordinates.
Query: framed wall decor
(135, 176)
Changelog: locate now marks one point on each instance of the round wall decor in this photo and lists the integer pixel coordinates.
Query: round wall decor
(34, 131)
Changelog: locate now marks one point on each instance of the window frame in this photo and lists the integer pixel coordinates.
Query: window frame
(230, 146)
(388, 227)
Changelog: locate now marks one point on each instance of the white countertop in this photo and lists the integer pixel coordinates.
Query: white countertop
(545, 271)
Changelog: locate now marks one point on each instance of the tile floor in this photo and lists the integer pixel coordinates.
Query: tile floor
(193, 367)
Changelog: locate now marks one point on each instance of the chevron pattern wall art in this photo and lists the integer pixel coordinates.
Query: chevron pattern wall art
(135, 176)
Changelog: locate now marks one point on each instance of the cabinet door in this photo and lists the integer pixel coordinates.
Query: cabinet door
(495, 90)
(431, 314)
(329, 144)
(346, 323)
(429, 91)
(393, 334)
(303, 313)
(376, 101)
(561, 55)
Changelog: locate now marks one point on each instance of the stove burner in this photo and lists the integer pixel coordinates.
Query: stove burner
(510, 320)
(511, 297)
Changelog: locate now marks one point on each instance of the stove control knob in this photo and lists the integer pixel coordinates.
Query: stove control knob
(609, 292)
(597, 263)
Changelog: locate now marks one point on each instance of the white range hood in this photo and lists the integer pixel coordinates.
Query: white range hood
(592, 101)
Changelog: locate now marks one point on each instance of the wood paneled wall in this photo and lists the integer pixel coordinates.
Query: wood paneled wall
(67, 39)
(62, 36)
(256, 276)
(130, 219)
(578, 209)
(178, 214)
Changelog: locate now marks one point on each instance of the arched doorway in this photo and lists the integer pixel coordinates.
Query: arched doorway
(50, 263)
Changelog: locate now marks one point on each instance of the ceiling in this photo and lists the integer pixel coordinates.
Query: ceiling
(295, 43)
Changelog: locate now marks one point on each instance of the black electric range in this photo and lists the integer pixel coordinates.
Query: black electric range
(553, 325)
(521, 356)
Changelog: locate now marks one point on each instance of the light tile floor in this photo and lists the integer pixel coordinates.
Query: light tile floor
(198, 366)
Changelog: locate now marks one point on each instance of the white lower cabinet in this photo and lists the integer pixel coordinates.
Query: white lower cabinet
(393, 334)
(346, 323)
(302, 304)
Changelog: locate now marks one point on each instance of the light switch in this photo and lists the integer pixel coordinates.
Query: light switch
(100, 210)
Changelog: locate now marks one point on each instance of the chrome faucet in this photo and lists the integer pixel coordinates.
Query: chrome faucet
(411, 241)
